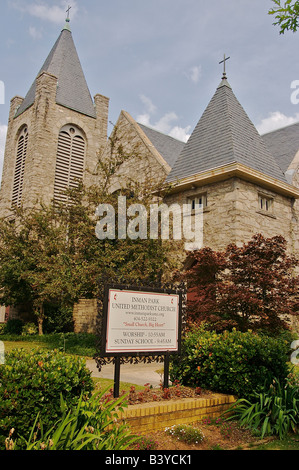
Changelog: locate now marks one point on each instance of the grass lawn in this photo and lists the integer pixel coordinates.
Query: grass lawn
(104, 384)
(10, 345)
(78, 344)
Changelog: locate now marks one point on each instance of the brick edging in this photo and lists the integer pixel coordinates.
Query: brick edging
(149, 417)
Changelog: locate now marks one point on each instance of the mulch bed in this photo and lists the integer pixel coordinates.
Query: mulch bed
(149, 394)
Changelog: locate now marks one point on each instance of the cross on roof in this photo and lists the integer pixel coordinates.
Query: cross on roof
(224, 65)
(68, 12)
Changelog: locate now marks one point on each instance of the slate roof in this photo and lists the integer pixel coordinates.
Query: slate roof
(224, 135)
(72, 89)
(283, 144)
(168, 147)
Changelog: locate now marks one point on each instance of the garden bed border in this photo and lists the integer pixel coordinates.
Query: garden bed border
(156, 416)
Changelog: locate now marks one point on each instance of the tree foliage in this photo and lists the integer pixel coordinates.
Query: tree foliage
(51, 255)
(249, 287)
(286, 15)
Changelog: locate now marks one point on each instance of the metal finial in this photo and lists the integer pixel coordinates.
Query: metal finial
(224, 65)
(67, 21)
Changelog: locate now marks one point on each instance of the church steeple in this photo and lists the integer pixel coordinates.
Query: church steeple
(63, 62)
(59, 130)
(224, 135)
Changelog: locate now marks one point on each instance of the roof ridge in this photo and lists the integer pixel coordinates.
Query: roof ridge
(160, 132)
(230, 118)
(281, 128)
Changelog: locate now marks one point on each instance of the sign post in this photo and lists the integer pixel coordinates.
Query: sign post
(141, 322)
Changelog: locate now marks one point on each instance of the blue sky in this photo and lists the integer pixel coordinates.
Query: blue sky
(158, 59)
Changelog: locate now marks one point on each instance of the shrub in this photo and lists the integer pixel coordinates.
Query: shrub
(232, 362)
(32, 383)
(58, 319)
(273, 412)
(13, 327)
(29, 329)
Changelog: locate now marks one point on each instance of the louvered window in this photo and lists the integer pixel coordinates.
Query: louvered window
(19, 168)
(69, 162)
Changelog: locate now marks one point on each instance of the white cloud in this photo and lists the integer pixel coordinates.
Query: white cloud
(181, 133)
(166, 124)
(144, 119)
(34, 33)
(195, 73)
(45, 10)
(3, 132)
(276, 120)
(150, 107)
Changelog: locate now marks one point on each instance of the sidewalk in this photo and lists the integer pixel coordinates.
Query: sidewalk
(138, 374)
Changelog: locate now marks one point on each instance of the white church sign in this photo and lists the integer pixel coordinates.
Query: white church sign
(141, 322)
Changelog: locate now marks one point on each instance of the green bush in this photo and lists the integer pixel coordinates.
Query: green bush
(232, 362)
(58, 319)
(32, 383)
(13, 327)
(273, 412)
(29, 329)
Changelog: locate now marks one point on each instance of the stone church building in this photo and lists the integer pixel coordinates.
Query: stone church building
(247, 183)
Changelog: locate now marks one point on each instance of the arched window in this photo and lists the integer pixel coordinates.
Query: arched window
(69, 161)
(19, 168)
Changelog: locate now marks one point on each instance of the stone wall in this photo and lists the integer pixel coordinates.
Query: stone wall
(85, 316)
(233, 214)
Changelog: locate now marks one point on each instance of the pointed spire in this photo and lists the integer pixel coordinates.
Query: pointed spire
(63, 62)
(224, 135)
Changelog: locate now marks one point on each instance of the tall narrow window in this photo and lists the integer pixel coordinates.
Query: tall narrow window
(20, 168)
(69, 162)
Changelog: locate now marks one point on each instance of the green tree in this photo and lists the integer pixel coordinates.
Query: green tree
(286, 15)
(51, 255)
